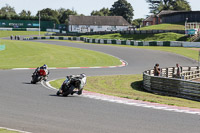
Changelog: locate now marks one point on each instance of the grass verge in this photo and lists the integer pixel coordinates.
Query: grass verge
(20, 54)
(7, 131)
(164, 27)
(142, 37)
(21, 33)
(129, 86)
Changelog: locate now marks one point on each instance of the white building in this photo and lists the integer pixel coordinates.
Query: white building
(97, 23)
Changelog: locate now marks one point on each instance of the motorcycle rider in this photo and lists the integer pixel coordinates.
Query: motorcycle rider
(42, 71)
(72, 84)
(80, 84)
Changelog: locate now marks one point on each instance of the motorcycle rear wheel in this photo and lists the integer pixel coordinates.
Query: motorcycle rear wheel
(33, 82)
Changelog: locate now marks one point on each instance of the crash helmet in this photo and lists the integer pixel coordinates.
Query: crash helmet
(45, 66)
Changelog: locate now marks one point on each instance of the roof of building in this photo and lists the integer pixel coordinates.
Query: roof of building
(170, 12)
(98, 20)
(165, 12)
(150, 18)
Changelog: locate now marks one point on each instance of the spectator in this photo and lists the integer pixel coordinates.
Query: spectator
(11, 37)
(177, 73)
(156, 70)
(15, 37)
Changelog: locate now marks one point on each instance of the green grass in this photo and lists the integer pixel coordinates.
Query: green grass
(33, 54)
(129, 86)
(9, 33)
(7, 131)
(164, 27)
(142, 37)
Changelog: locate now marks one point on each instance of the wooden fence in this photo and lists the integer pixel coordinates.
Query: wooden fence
(180, 87)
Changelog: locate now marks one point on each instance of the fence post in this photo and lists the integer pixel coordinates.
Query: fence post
(173, 71)
(189, 69)
(150, 72)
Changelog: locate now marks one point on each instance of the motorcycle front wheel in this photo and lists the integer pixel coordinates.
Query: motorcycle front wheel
(58, 93)
(69, 91)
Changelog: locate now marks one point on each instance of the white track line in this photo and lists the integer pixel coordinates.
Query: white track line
(14, 130)
(124, 63)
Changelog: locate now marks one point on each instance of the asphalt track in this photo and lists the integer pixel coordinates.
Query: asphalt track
(34, 108)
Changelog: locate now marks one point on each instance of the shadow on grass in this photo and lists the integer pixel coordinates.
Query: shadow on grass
(136, 36)
(138, 85)
(184, 38)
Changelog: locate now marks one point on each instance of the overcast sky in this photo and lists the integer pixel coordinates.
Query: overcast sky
(82, 6)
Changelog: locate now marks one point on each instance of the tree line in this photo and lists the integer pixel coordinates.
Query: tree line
(157, 6)
(119, 8)
(59, 16)
(123, 8)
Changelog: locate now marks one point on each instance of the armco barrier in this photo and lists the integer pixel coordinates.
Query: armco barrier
(167, 85)
(124, 42)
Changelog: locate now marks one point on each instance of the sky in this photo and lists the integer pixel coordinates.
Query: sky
(83, 6)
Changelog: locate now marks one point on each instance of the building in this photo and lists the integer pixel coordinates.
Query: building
(179, 16)
(97, 23)
(151, 20)
(169, 16)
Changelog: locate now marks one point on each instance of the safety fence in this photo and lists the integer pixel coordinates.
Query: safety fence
(23, 25)
(122, 42)
(129, 32)
(180, 87)
(19, 29)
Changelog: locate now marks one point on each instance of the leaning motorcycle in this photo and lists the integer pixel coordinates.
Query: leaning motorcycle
(72, 83)
(38, 76)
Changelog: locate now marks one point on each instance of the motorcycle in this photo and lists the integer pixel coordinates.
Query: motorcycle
(71, 83)
(39, 75)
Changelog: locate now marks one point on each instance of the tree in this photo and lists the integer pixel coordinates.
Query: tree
(28, 13)
(102, 12)
(48, 14)
(61, 10)
(7, 11)
(182, 5)
(137, 22)
(153, 5)
(157, 6)
(23, 13)
(64, 15)
(122, 8)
